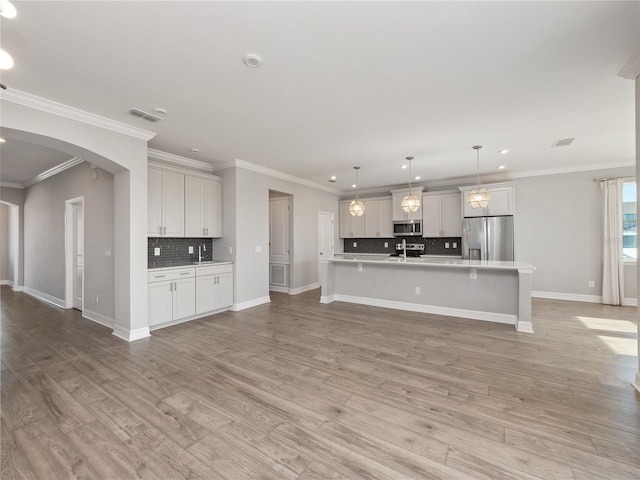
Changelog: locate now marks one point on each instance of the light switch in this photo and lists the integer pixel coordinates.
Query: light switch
(230, 250)
(156, 251)
(190, 249)
(107, 252)
(258, 248)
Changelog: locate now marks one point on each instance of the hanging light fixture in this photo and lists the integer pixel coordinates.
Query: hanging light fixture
(7, 10)
(478, 197)
(410, 203)
(356, 207)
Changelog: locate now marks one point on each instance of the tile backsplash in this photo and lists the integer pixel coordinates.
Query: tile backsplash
(432, 246)
(175, 251)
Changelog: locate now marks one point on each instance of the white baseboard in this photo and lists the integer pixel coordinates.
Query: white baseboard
(6, 282)
(524, 327)
(58, 302)
(278, 288)
(435, 310)
(630, 302)
(573, 297)
(636, 384)
(250, 303)
(18, 288)
(327, 299)
(131, 335)
(98, 318)
(304, 288)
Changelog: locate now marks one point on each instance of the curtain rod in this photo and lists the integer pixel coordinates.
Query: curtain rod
(612, 178)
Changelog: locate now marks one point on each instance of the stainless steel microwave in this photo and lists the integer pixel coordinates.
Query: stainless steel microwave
(407, 228)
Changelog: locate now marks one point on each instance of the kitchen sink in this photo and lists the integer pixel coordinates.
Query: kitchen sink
(402, 260)
(209, 262)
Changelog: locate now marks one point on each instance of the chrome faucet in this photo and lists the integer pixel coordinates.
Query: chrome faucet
(404, 249)
(200, 248)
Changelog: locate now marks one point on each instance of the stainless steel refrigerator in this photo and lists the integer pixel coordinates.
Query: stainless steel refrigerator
(487, 238)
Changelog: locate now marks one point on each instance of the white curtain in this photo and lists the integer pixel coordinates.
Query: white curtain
(613, 267)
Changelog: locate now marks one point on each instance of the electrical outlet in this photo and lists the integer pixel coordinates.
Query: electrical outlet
(473, 273)
(230, 250)
(446, 244)
(107, 253)
(359, 267)
(386, 244)
(417, 290)
(156, 251)
(190, 249)
(355, 244)
(592, 284)
(455, 245)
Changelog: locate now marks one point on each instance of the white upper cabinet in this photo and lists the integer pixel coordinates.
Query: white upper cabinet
(502, 202)
(397, 213)
(442, 215)
(350, 226)
(182, 204)
(203, 207)
(165, 204)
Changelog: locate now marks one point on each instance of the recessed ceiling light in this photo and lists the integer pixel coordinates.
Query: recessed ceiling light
(353, 186)
(2, 140)
(403, 166)
(501, 167)
(418, 177)
(252, 60)
(333, 177)
(160, 110)
(6, 62)
(503, 151)
(194, 150)
(7, 10)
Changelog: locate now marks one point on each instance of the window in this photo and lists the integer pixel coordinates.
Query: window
(629, 222)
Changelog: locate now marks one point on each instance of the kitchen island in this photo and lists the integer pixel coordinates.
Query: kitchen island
(476, 289)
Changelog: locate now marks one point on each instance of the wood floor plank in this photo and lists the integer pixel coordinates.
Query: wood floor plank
(295, 389)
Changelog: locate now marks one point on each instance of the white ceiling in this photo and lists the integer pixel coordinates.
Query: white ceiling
(345, 83)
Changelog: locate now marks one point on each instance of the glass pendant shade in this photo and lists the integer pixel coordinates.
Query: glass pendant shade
(478, 198)
(6, 62)
(410, 203)
(356, 208)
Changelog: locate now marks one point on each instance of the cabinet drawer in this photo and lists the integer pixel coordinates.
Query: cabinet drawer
(213, 270)
(171, 275)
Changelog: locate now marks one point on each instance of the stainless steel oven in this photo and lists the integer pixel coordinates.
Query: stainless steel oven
(407, 228)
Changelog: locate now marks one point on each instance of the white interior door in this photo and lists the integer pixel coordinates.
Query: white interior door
(325, 235)
(279, 230)
(78, 255)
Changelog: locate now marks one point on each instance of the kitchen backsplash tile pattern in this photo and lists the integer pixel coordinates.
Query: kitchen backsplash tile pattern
(175, 251)
(432, 246)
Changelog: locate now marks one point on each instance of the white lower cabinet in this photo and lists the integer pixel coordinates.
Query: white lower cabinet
(214, 288)
(187, 293)
(171, 295)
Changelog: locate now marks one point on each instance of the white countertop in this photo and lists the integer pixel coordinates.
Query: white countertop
(427, 261)
(191, 265)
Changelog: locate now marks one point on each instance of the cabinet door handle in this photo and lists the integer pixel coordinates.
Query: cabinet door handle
(185, 273)
(175, 288)
(159, 276)
(160, 230)
(171, 287)
(207, 230)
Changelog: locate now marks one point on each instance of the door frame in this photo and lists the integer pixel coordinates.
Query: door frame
(333, 235)
(68, 251)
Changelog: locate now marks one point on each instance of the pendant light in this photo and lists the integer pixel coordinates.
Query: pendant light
(7, 10)
(478, 197)
(356, 207)
(410, 203)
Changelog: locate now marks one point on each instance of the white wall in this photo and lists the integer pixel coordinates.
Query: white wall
(44, 216)
(250, 229)
(559, 230)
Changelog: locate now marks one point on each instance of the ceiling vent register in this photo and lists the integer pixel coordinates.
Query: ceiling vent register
(136, 112)
(565, 142)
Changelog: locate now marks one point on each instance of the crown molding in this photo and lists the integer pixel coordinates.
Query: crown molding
(10, 185)
(631, 70)
(179, 161)
(53, 171)
(49, 106)
(276, 174)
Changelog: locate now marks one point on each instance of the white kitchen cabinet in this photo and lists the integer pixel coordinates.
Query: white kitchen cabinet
(502, 202)
(203, 207)
(350, 226)
(214, 288)
(397, 213)
(378, 221)
(165, 197)
(171, 295)
(442, 215)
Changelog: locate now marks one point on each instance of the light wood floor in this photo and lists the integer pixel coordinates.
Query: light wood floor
(300, 390)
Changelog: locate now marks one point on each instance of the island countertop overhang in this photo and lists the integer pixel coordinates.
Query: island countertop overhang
(437, 262)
